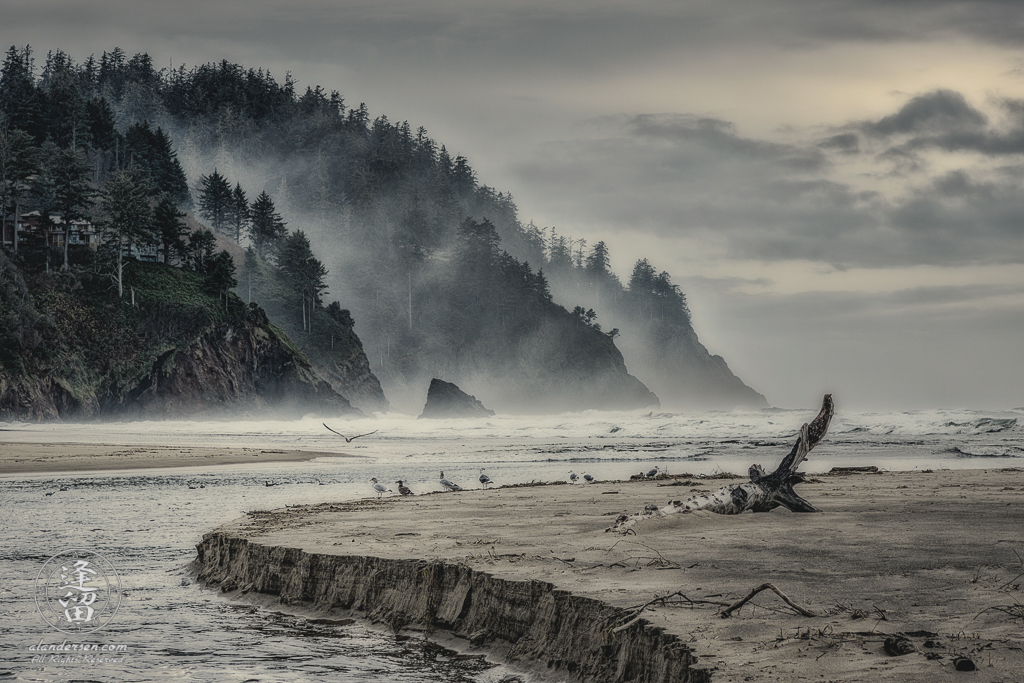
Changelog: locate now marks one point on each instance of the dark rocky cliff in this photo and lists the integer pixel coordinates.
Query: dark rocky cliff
(71, 350)
(232, 368)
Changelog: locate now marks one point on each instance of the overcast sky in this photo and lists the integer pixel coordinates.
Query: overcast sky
(835, 184)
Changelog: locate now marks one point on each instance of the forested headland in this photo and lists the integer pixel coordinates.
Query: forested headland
(330, 221)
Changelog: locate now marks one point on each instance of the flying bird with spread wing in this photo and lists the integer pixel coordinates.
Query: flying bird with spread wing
(349, 439)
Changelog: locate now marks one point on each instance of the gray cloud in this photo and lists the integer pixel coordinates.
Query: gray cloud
(939, 111)
(683, 174)
(844, 143)
(955, 219)
(512, 36)
(943, 120)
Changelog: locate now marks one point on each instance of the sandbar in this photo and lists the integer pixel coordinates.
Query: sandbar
(28, 458)
(937, 556)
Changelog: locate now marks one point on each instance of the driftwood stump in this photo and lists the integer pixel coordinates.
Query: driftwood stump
(763, 493)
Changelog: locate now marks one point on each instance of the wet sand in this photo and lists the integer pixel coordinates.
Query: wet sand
(28, 458)
(938, 556)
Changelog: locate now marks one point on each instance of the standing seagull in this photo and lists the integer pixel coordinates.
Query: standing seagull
(484, 479)
(449, 486)
(348, 439)
(573, 477)
(651, 474)
(381, 489)
(589, 478)
(403, 489)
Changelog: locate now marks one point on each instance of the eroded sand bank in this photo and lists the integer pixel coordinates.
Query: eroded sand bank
(938, 556)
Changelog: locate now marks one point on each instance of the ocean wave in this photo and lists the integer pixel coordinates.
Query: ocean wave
(985, 451)
(924, 423)
(984, 425)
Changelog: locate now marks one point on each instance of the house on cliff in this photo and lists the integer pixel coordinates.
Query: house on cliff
(80, 233)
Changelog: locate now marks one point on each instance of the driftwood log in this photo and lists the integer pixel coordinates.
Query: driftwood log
(763, 493)
(765, 586)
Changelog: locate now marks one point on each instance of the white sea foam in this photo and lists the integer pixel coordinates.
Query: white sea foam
(697, 441)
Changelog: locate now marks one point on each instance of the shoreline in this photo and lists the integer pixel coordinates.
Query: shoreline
(65, 458)
(529, 573)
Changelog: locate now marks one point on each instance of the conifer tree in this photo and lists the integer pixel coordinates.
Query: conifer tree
(19, 161)
(19, 98)
(201, 244)
(239, 212)
(167, 172)
(104, 139)
(251, 272)
(170, 228)
(64, 113)
(597, 262)
(215, 200)
(304, 273)
(63, 189)
(220, 275)
(128, 218)
(266, 227)
(596, 267)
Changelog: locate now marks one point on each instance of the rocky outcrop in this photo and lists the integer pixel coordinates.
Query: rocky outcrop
(445, 399)
(531, 623)
(35, 399)
(230, 369)
(353, 379)
(70, 350)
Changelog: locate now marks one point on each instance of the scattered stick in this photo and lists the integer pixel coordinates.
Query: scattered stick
(1018, 575)
(663, 600)
(766, 586)
(1014, 611)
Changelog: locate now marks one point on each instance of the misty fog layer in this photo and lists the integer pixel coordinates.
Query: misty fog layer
(344, 225)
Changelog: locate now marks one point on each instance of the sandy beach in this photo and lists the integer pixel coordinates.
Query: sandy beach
(28, 458)
(937, 556)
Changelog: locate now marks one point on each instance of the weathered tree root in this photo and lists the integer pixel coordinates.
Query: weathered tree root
(727, 612)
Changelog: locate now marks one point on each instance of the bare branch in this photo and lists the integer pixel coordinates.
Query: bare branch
(766, 586)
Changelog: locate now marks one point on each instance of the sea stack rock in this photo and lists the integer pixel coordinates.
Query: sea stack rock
(444, 399)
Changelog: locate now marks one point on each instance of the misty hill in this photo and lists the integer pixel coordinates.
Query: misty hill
(71, 349)
(652, 327)
(436, 269)
(293, 300)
